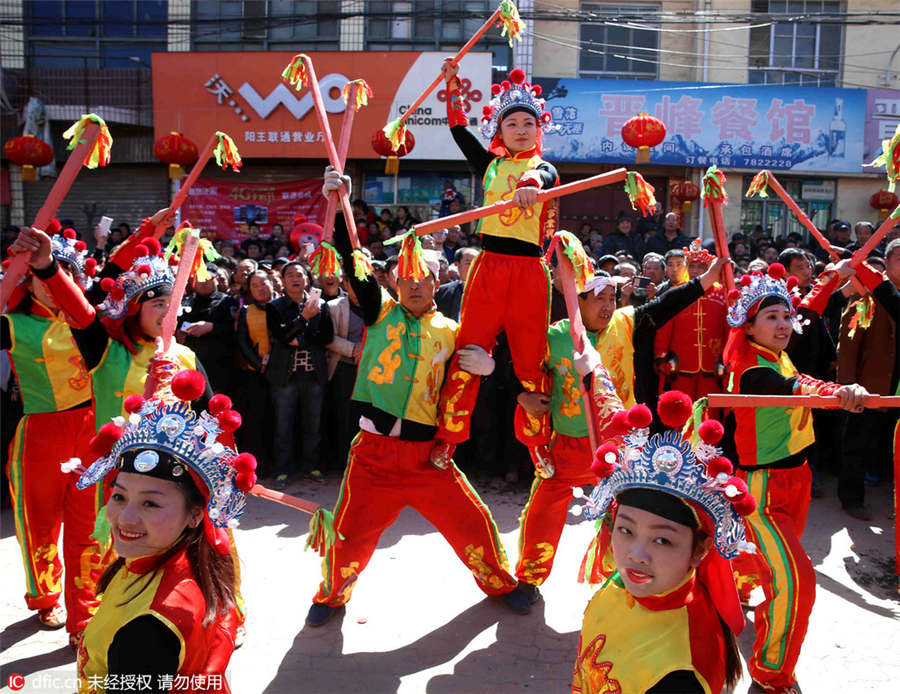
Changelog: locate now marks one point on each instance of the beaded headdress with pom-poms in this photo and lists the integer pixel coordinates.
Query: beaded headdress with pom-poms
(66, 247)
(668, 462)
(696, 253)
(149, 271)
(514, 93)
(163, 436)
(744, 300)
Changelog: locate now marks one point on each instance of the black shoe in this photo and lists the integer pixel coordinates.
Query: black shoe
(859, 512)
(319, 613)
(531, 590)
(518, 600)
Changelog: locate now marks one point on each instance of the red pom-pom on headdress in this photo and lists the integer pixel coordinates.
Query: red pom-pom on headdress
(69, 233)
(101, 444)
(299, 219)
(711, 431)
(517, 75)
(746, 280)
(153, 246)
(777, 271)
(141, 250)
(792, 283)
(734, 295)
(639, 417)
(719, 465)
(144, 269)
(536, 89)
(495, 89)
(674, 408)
(745, 506)
(796, 301)
(188, 385)
(90, 266)
(107, 284)
(605, 458)
(736, 489)
(80, 246)
(229, 420)
(618, 425)
(133, 403)
(218, 404)
(53, 227)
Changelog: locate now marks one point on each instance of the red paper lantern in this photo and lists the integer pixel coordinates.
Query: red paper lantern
(28, 152)
(643, 131)
(687, 192)
(177, 151)
(885, 202)
(384, 148)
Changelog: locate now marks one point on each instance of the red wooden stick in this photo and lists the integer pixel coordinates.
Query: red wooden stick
(322, 117)
(819, 401)
(875, 239)
(196, 170)
(343, 147)
(577, 331)
(807, 222)
(185, 263)
(498, 207)
(717, 221)
(455, 60)
(286, 499)
(64, 181)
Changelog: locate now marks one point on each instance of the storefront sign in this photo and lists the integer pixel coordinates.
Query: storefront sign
(882, 119)
(241, 93)
(226, 209)
(731, 125)
(817, 190)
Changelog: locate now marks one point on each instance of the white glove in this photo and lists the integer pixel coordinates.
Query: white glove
(585, 362)
(476, 360)
(333, 182)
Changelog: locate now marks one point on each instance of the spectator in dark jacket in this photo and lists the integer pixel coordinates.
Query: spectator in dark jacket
(297, 372)
(624, 238)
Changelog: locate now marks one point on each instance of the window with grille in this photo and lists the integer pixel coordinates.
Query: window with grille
(805, 51)
(95, 33)
(264, 24)
(616, 43)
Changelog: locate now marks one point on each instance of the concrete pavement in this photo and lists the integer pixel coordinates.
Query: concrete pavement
(417, 622)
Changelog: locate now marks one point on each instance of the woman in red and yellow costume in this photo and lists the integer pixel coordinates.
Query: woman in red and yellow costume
(55, 388)
(168, 616)
(666, 617)
(508, 287)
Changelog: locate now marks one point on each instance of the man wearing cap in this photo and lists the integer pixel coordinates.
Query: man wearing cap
(406, 350)
(624, 238)
(613, 332)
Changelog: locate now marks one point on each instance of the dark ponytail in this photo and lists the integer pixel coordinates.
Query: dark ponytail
(733, 668)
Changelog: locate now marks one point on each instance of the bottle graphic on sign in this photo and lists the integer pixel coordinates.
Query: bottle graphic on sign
(838, 130)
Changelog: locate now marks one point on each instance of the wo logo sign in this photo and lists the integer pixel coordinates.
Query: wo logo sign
(264, 106)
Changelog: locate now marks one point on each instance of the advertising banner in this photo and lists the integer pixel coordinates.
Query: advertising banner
(225, 210)
(242, 94)
(882, 119)
(730, 125)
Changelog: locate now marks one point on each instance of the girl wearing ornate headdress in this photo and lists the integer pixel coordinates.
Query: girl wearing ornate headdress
(508, 286)
(772, 444)
(169, 608)
(670, 519)
(55, 388)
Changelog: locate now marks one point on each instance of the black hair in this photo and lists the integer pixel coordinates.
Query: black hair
(674, 253)
(788, 255)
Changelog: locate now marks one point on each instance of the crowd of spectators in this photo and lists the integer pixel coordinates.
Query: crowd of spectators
(285, 343)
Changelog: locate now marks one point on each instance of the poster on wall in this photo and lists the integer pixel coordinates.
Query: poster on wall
(882, 119)
(242, 94)
(730, 125)
(226, 210)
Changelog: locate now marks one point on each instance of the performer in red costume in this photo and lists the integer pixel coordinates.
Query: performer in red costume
(168, 612)
(59, 421)
(508, 287)
(666, 617)
(695, 338)
(772, 445)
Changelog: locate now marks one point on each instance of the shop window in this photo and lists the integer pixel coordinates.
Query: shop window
(803, 52)
(614, 48)
(773, 216)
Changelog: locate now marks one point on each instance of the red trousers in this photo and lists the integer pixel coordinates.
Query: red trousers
(44, 497)
(544, 515)
(784, 569)
(384, 475)
(503, 293)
